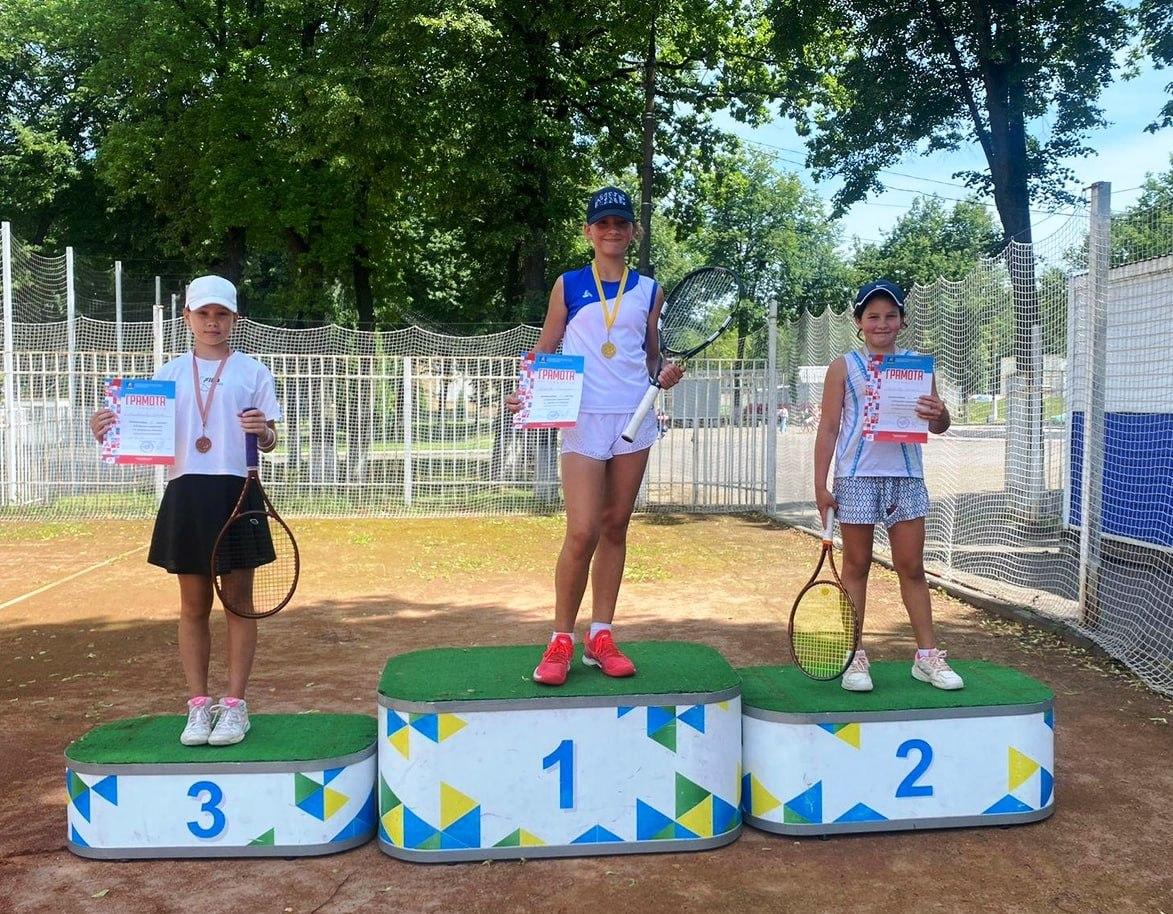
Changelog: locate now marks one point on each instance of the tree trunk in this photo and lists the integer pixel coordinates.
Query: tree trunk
(649, 143)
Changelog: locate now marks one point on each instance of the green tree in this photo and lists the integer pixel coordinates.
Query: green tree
(1145, 229)
(1156, 22)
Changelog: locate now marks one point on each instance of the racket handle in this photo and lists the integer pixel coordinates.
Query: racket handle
(829, 529)
(637, 417)
(251, 451)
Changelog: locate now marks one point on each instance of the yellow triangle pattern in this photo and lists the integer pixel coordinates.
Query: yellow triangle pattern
(453, 804)
(525, 839)
(761, 801)
(393, 823)
(699, 819)
(333, 801)
(400, 739)
(849, 734)
(723, 705)
(450, 724)
(1021, 768)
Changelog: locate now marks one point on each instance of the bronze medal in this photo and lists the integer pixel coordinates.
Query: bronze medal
(203, 444)
(204, 407)
(608, 349)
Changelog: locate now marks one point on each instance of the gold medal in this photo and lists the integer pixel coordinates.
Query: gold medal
(203, 444)
(609, 314)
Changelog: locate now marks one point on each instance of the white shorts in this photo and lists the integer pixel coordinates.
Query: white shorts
(600, 435)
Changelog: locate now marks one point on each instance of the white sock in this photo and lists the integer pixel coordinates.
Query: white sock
(569, 635)
(597, 627)
(923, 652)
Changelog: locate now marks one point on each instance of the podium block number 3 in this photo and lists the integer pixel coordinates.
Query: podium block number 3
(563, 757)
(909, 786)
(211, 806)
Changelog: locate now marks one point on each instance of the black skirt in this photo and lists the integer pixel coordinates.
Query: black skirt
(195, 508)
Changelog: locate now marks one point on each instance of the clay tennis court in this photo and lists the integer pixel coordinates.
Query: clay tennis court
(102, 646)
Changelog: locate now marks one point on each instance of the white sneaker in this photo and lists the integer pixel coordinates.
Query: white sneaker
(933, 669)
(199, 722)
(857, 677)
(231, 725)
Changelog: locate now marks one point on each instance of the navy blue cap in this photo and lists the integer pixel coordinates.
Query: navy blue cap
(610, 201)
(879, 287)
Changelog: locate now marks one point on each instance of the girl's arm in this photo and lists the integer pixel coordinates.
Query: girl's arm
(671, 373)
(933, 409)
(828, 432)
(553, 327)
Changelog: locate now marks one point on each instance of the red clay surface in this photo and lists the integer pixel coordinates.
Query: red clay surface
(102, 647)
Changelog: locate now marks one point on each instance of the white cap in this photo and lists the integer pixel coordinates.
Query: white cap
(210, 290)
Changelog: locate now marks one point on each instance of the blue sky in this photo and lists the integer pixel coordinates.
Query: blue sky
(1124, 154)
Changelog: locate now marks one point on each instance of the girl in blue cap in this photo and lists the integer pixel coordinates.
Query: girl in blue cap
(879, 482)
(220, 395)
(607, 314)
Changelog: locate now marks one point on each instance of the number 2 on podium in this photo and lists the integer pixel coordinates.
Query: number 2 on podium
(563, 756)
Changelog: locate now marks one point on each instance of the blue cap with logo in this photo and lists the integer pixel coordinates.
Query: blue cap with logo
(610, 201)
(878, 287)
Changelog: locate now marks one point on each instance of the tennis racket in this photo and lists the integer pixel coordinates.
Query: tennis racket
(697, 311)
(255, 563)
(824, 627)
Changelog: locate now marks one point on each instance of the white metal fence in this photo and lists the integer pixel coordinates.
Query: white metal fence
(1056, 360)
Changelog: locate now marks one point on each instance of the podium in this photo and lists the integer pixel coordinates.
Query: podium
(821, 760)
(476, 761)
(299, 784)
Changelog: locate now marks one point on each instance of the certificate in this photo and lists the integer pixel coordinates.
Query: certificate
(143, 432)
(550, 389)
(900, 380)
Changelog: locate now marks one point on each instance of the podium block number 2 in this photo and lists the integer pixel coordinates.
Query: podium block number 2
(909, 786)
(211, 806)
(563, 757)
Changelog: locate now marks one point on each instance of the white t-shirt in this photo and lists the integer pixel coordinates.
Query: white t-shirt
(244, 383)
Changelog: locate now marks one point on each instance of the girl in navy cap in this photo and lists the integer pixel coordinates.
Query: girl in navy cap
(879, 481)
(607, 314)
(220, 395)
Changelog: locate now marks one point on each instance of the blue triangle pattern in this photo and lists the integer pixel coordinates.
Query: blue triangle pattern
(77, 838)
(428, 725)
(649, 821)
(687, 833)
(107, 789)
(1008, 803)
(315, 805)
(725, 816)
(695, 718)
(624, 710)
(330, 773)
(745, 793)
(809, 804)
(830, 728)
(596, 834)
(395, 723)
(362, 822)
(1047, 783)
(1049, 718)
(860, 812)
(415, 830)
(82, 804)
(466, 830)
(659, 717)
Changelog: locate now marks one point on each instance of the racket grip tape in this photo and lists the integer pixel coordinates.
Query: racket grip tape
(252, 456)
(637, 417)
(829, 528)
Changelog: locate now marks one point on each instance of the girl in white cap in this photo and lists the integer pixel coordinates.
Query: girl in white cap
(220, 396)
(879, 481)
(607, 314)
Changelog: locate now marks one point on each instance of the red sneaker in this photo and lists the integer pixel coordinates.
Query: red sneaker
(555, 662)
(601, 651)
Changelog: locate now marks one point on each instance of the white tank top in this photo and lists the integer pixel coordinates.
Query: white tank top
(856, 454)
(617, 384)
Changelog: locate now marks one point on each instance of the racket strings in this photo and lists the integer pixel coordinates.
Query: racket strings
(823, 630)
(256, 564)
(697, 309)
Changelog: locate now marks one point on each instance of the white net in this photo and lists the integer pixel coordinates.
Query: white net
(411, 422)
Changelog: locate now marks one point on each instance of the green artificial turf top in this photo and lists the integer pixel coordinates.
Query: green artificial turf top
(785, 689)
(496, 673)
(271, 738)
